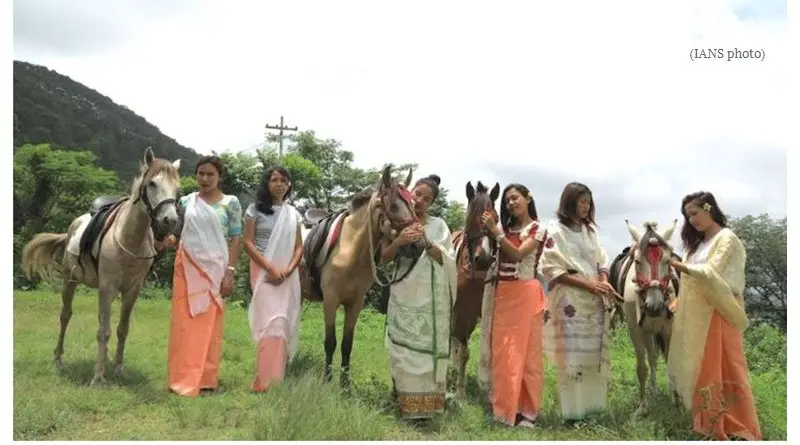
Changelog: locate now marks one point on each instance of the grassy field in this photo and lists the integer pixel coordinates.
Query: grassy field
(59, 405)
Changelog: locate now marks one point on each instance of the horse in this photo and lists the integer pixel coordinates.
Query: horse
(475, 253)
(113, 264)
(648, 288)
(341, 253)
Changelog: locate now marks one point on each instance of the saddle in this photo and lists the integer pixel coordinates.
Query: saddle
(615, 274)
(103, 211)
(325, 227)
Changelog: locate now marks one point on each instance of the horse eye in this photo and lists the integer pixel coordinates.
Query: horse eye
(151, 183)
(393, 207)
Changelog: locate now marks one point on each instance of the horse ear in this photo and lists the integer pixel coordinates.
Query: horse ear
(470, 191)
(408, 178)
(148, 156)
(495, 192)
(386, 176)
(177, 164)
(670, 230)
(633, 231)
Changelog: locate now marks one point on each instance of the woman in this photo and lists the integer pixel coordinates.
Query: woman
(419, 311)
(576, 327)
(707, 365)
(204, 266)
(512, 311)
(273, 241)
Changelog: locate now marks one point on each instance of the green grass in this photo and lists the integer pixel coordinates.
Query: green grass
(59, 405)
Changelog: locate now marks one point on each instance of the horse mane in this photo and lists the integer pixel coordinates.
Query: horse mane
(361, 198)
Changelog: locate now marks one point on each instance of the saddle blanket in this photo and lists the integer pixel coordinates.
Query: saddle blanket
(73, 247)
(330, 240)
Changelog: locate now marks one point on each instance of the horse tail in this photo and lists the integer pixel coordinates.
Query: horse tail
(43, 255)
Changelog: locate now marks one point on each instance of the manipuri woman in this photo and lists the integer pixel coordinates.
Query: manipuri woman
(419, 311)
(274, 243)
(204, 266)
(512, 311)
(707, 364)
(576, 329)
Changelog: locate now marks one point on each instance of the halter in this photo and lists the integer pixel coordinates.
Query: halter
(469, 237)
(397, 224)
(151, 214)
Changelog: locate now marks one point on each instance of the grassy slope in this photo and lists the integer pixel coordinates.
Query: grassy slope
(59, 405)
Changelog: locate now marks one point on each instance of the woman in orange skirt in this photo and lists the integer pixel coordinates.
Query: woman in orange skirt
(513, 302)
(707, 364)
(204, 267)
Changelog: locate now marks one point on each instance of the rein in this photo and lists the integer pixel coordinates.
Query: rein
(402, 224)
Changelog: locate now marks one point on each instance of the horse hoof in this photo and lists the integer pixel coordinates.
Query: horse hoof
(59, 364)
(461, 394)
(119, 370)
(641, 411)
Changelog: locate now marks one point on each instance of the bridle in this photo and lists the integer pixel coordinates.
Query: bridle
(397, 224)
(469, 238)
(652, 253)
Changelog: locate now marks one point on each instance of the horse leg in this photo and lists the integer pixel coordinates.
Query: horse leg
(329, 310)
(462, 357)
(670, 386)
(652, 358)
(67, 294)
(640, 347)
(351, 312)
(128, 301)
(106, 294)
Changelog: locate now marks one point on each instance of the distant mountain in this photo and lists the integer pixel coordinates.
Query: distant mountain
(52, 108)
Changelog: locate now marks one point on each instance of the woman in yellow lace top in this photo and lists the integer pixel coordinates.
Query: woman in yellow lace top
(707, 364)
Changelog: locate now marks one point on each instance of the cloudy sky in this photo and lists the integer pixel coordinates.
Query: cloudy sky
(602, 92)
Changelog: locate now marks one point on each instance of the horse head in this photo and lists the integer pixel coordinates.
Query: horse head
(480, 246)
(156, 191)
(393, 211)
(651, 255)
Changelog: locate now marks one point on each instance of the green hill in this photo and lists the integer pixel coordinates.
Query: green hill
(52, 108)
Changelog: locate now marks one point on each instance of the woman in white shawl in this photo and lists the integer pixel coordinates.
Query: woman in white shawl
(275, 246)
(203, 276)
(419, 311)
(576, 322)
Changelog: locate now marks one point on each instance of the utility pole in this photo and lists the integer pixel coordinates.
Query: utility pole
(280, 129)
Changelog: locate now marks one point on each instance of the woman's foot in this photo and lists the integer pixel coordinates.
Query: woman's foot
(524, 422)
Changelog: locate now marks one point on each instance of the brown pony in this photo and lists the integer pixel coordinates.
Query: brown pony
(475, 252)
(341, 254)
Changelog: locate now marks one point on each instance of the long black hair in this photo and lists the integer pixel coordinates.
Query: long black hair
(690, 236)
(505, 217)
(263, 197)
(568, 205)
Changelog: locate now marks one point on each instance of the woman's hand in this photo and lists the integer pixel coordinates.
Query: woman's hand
(410, 234)
(227, 283)
(599, 287)
(274, 276)
(487, 218)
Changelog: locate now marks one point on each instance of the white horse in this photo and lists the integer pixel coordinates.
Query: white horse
(115, 254)
(648, 288)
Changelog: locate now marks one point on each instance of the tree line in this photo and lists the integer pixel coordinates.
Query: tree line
(52, 187)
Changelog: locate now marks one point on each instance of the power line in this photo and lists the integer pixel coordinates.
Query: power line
(280, 129)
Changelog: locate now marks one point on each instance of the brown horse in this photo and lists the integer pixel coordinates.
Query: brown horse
(111, 248)
(341, 254)
(475, 252)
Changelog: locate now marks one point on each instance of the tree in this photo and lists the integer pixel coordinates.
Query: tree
(764, 240)
(51, 188)
(455, 215)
